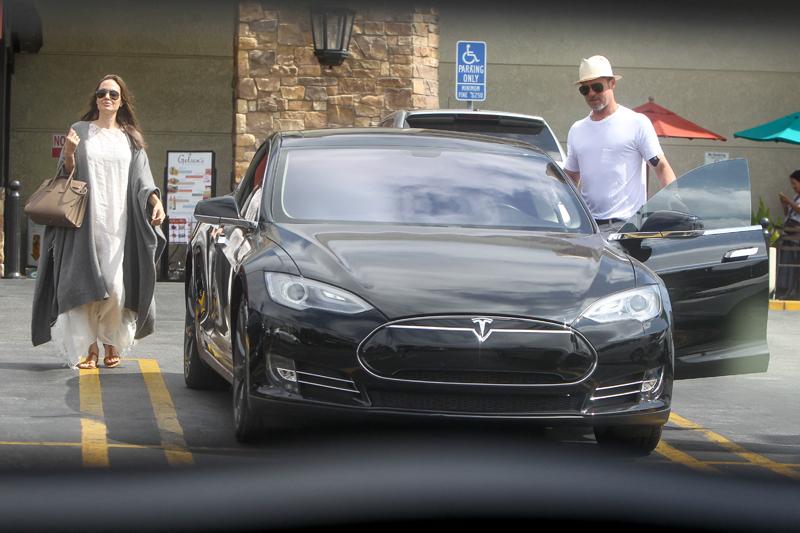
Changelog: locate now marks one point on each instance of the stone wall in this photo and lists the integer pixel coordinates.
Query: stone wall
(281, 86)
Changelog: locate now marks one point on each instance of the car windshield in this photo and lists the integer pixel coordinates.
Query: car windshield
(427, 186)
(529, 131)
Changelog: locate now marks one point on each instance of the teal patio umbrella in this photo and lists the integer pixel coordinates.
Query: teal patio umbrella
(785, 129)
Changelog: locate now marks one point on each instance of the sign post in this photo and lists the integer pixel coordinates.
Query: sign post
(471, 71)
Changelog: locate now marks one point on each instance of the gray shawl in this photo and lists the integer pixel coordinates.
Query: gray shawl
(69, 272)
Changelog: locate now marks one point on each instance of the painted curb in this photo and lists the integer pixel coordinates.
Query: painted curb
(784, 305)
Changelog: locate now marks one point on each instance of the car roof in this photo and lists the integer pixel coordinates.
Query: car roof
(383, 136)
(480, 112)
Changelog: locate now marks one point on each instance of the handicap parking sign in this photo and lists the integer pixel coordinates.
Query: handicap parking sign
(471, 71)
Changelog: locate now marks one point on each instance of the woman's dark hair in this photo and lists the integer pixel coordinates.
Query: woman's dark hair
(126, 116)
(795, 175)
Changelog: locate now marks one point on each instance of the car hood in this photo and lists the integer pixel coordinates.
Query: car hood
(415, 271)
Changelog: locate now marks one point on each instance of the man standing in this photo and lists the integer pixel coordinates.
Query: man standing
(606, 150)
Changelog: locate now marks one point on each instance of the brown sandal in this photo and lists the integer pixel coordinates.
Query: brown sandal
(90, 363)
(112, 360)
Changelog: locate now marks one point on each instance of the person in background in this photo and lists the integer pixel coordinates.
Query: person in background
(787, 283)
(96, 284)
(607, 149)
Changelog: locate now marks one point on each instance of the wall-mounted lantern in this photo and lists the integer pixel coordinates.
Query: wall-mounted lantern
(331, 29)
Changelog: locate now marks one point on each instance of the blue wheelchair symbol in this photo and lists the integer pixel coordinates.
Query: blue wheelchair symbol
(469, 57)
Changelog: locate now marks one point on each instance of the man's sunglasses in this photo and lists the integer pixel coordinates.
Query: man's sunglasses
(596, 87)
(101, 93)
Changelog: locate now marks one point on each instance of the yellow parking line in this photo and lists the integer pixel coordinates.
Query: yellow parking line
(751, 457)
(166, 417)
(40, 443)
(746, 463)
(77, 444)
(683, 458)
(94, 435)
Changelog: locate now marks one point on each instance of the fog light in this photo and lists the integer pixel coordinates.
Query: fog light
(652, 384)
(283, 372)
(288, 375)
(649, 385)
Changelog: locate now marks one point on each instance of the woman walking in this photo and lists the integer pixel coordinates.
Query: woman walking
(96, 283)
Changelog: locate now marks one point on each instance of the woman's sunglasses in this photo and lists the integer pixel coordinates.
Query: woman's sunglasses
(596, 87)
(101, 93)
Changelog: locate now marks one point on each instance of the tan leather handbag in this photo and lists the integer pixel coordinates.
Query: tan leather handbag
(59, 201)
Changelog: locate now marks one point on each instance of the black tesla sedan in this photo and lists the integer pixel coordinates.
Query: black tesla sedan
(436, 274)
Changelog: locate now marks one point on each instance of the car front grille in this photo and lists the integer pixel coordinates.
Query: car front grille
(489, 378)
(475, 403)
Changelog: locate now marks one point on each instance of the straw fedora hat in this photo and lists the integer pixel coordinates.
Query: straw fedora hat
(593, 68)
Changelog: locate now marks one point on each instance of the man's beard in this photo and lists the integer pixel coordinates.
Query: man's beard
(599, 107)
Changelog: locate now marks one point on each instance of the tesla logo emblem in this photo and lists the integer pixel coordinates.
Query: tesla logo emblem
(480, 330)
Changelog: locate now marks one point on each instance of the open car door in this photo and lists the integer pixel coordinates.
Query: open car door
(696, 234)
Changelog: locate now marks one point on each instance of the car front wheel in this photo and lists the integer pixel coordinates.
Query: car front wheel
(246, 424)
(642, 439)
(196, 373)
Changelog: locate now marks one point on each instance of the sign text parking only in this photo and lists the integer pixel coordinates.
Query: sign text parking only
(471, 71)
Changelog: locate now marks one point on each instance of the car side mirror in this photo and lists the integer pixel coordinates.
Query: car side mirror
(662, 225)
(671, 221)
(221, 211)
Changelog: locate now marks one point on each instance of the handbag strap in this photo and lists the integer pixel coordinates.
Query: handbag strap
(60, 174)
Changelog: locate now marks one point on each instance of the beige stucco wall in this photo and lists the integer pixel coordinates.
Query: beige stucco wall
(177, 58)
(724, 65)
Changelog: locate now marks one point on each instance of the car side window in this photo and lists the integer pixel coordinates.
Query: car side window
(715, 196)
(252, 182)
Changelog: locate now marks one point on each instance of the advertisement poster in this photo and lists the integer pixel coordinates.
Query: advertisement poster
(189, 179)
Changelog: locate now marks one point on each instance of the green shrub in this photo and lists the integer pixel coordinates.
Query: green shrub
(763, 212)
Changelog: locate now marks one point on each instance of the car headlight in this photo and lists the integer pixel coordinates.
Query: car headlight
(301, 293)
(640, 304)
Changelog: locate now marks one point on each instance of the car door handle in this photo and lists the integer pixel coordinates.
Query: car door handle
(740, 254)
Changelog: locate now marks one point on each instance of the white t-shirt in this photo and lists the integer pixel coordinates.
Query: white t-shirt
(610, 154)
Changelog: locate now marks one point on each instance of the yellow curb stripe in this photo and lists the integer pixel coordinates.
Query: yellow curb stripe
(784, 305)
(677, 456)
(94, 434)
(750, 457)
(166, 417)
(776, 305)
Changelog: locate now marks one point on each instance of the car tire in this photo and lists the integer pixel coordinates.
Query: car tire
(642, 439)
(247, 426)
(196, 373)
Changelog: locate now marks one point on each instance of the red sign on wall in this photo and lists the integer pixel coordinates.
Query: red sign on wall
(58, 143)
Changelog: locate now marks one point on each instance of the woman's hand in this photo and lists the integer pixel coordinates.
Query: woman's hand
(158, 215)
(70, 145)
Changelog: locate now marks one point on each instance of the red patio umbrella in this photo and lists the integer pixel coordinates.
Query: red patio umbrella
(669, 124)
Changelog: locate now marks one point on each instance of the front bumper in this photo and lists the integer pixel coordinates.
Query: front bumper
(298, 372)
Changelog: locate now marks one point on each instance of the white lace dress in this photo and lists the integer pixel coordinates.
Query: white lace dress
(105, 321)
